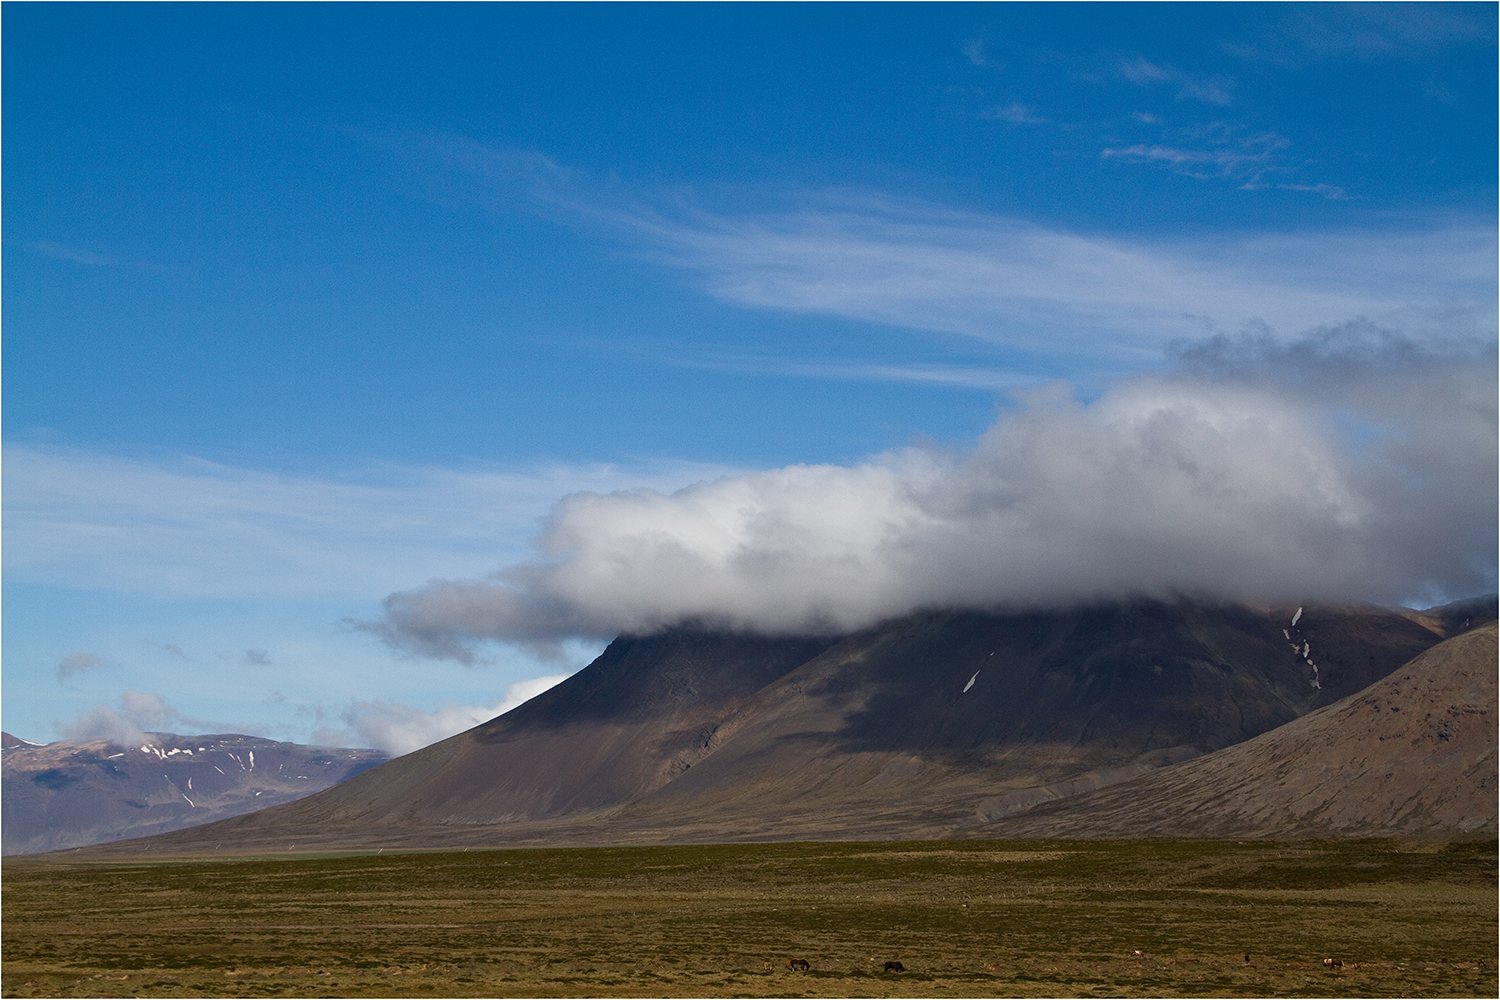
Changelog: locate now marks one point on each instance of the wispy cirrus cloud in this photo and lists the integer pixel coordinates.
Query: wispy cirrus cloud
(1244, 159)
(1308, 33)
(1026, 287)
(1219, 151)
(89, 258)
(1013, 284)
(971, 377)
(974, 49)
(182, 527)
(59, 251)
(1040, 295)
(1014, 112)
(1210, 90)
(1330, 191)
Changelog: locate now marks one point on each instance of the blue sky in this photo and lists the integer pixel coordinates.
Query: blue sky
(316, 314)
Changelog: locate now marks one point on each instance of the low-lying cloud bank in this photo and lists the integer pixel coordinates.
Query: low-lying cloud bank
(1352, 465)
(139, 712)
(383, 725)
(399, 729)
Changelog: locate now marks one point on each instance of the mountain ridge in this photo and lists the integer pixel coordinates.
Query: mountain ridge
(77, 793)
(940, 723)
(1414, 751)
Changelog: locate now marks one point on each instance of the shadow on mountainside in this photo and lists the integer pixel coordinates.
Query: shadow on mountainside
(1122, 679)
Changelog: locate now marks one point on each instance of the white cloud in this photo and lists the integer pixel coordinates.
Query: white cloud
(179, 527)
(1210, 90)
(60, 252)
(1030, 288)
(1015, 112)
(1246, 161)
(138, 713)
(75, 663)
(1330, 191)
(1354, 465)
(1086, 300)
(966, 376)
(398, 729)
(1308, 33)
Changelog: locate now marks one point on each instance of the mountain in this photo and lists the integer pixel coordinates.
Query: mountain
(73, 794)
(940, 723)
(1410, 754)
(1460, 616)
(643, 713)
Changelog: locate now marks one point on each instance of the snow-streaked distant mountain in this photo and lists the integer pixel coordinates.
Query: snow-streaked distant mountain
(72, 794)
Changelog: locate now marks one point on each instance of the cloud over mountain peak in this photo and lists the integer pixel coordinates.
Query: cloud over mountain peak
(1354, 465)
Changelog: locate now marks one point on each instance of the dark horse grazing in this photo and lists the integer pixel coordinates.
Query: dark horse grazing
(798, 963)
(894, 967)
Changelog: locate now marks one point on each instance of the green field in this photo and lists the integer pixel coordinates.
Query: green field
(974, 918)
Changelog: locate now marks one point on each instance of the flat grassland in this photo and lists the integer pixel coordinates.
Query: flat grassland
(974, 918)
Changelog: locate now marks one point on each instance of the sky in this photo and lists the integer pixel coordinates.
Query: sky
(368, 367)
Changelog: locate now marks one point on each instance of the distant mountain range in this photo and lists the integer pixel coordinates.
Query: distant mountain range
(74, 794)
(1113, 720)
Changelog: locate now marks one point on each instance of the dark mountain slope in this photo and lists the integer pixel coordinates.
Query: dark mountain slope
(929, 725)
(640, 714)
(1448, 620)
(945, 719)
(1413, 754)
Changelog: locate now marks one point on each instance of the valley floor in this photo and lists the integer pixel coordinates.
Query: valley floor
(972, 918)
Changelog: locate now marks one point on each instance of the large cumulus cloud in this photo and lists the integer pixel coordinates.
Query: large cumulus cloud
(1351, 465)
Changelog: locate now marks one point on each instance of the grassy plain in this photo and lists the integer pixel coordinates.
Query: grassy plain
(974, 918)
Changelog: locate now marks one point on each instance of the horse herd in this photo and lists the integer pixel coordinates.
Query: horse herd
(803, 965)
